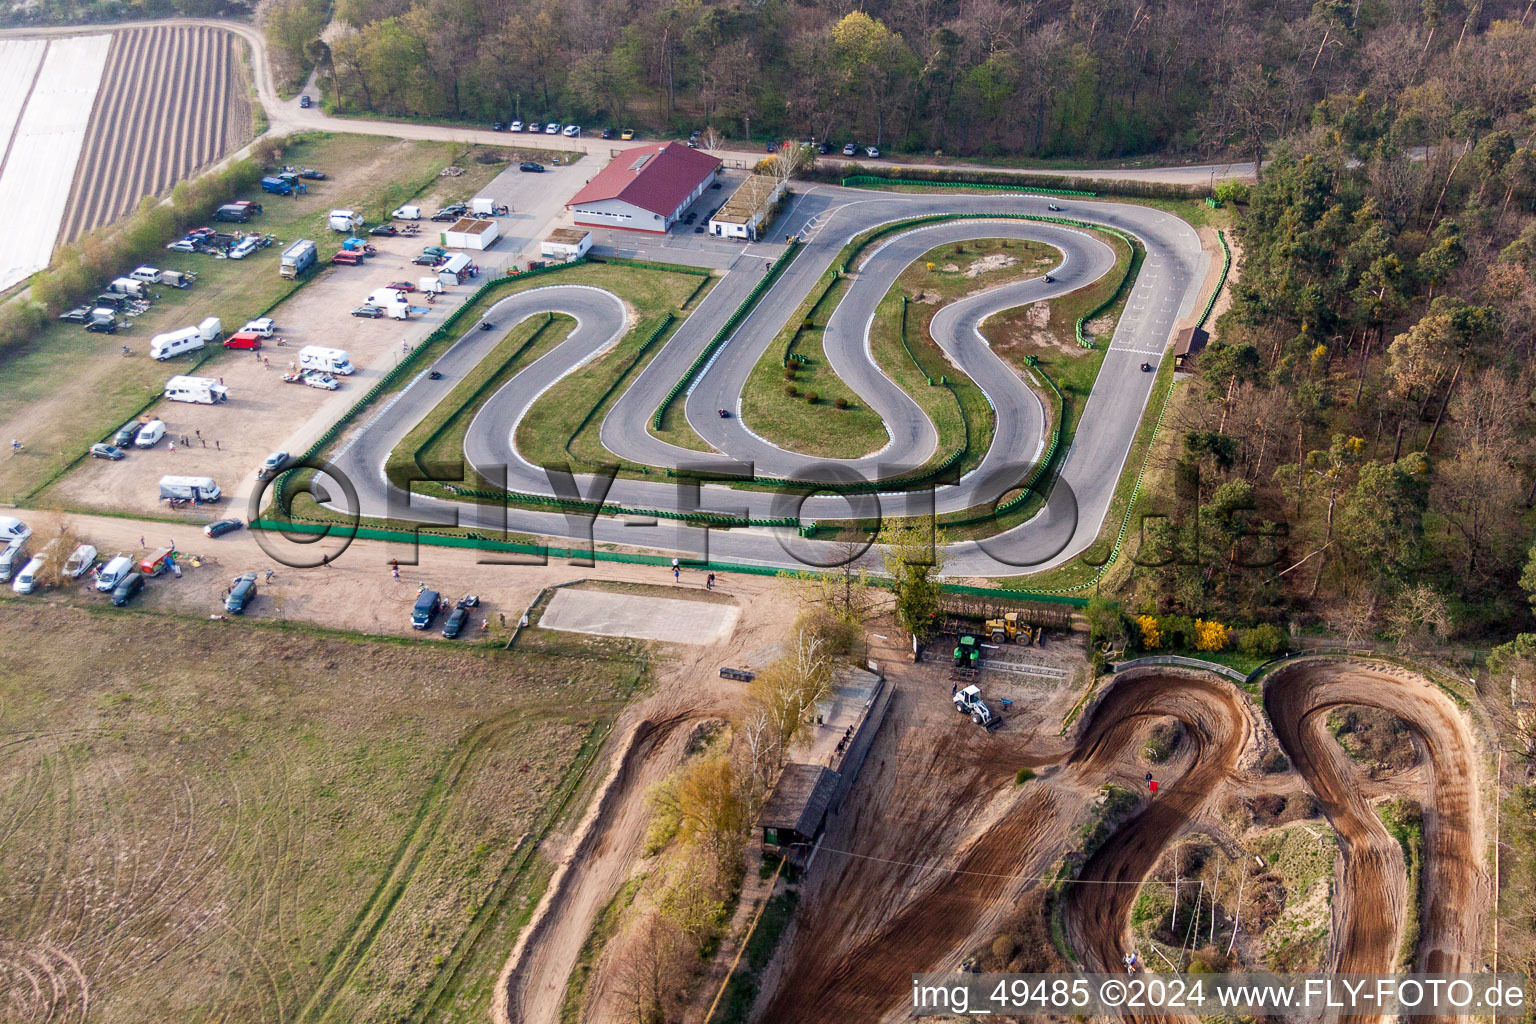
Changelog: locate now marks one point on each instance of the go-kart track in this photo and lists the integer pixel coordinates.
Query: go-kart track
(828, 218)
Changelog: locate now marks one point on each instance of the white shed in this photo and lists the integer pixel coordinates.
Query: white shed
(566, 244)
(470, 233)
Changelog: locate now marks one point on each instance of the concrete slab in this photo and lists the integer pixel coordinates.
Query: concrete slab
(643, 618)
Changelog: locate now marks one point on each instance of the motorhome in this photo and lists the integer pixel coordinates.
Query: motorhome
(189, 488)
(201, 390)
(329, 360)
(175, 343)
(298, 257)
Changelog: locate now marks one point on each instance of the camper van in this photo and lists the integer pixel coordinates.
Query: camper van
(12, 559)
(202, 390)
(190, 488)
(345, 220)
(148, 275)
(113, 573)
(329, 360)
(150, 434)
(175, 343)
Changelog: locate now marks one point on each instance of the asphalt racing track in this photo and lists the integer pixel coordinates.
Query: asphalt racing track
(1167, 288)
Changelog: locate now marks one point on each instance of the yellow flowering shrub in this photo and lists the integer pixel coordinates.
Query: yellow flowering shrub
(1151, 632)
(1211, 636)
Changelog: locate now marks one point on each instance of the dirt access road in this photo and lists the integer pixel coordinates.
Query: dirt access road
(918, 872)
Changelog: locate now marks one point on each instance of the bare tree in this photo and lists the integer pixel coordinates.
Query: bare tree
(651, 969)
(711, 139)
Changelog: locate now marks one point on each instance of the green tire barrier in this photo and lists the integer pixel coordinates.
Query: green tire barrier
(865, 180)
(599, 555)
(726, 330)
(833, 276)
(1226, 265)
(1027, 490)
(1130, 273)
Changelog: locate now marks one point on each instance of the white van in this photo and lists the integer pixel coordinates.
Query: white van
(262, 327)
(26, 580)
(150, 434)
(243, 248)
(329, 360)
(113, 572)
(406, 212)
(149, 275)
(80, 561)
(175, 343)
(345, 220)
(210, 328)
(189, 488)
(12, 558)
(202, 390)
(13, 529)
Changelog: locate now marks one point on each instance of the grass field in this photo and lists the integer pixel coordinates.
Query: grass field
(211, 822)
(72, 388)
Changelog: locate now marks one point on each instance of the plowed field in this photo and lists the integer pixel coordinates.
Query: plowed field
(173, 101)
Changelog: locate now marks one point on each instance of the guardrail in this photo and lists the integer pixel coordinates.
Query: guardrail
(1130, 272)
(861, 180)
(1183, 662)
(726, 330)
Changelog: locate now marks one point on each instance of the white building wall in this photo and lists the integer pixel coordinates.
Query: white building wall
(615, 213)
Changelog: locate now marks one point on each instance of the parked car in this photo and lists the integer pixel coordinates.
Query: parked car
(497, 126)
(103, 326)
(386, 230)
(107, 451)
(304, 101)
(427, 261)
(608, 133)
(220, 527)
(531, 167)
(571, 131)
(273, 465)
(627, 135)
(348, 258)
(425, 609)
(824, 149)
(130, 586)
(183, 245)
(126, 433)
(515, 126)
(873, 152)
(434, 250)
(26, 580)
(242, 591)
(324, 383)
(369, 312)
(311, 174)
(80, 561)
(456, 621)
(850, 150)
(78, 315)
(552, 128)
(402, 286)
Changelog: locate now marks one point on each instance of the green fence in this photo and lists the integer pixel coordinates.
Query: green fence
(661, 328)
(598, 555)
(1226, 265)
(864, 180)
(726, 330)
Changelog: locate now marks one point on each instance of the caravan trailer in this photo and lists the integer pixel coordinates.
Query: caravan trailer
(202, 390)
(189, 488)
(175, 343)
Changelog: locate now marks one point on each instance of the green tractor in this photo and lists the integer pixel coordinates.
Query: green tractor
(967, 652)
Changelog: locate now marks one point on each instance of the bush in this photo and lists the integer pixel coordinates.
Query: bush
(1003, 947)
(1022, 776)
(1149, 631)
(1266, 641)
(789, 372)
(840, 403)
(790, 391)
(1211, 636)
(812, 397)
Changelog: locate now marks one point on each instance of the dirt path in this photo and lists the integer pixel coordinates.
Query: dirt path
(1456, 886)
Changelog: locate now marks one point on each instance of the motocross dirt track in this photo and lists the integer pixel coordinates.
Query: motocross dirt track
(875, 920)
(173, 100)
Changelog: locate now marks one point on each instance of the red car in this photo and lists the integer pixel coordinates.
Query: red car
(346, 258)
(402, 286)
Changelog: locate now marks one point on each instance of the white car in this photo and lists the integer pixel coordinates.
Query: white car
(263, 326)
(571, 131)
(515, 126)
(26, 580)
(321, 381)
(850, 150)
(873, 152)
(553, 128)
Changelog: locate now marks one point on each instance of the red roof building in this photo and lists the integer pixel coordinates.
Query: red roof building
(644, 189)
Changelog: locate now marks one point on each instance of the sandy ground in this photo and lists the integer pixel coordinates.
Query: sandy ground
(264, 414)
(646, 618)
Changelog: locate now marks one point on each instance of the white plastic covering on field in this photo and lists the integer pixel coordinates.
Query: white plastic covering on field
(35, 182)
(19, 59)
